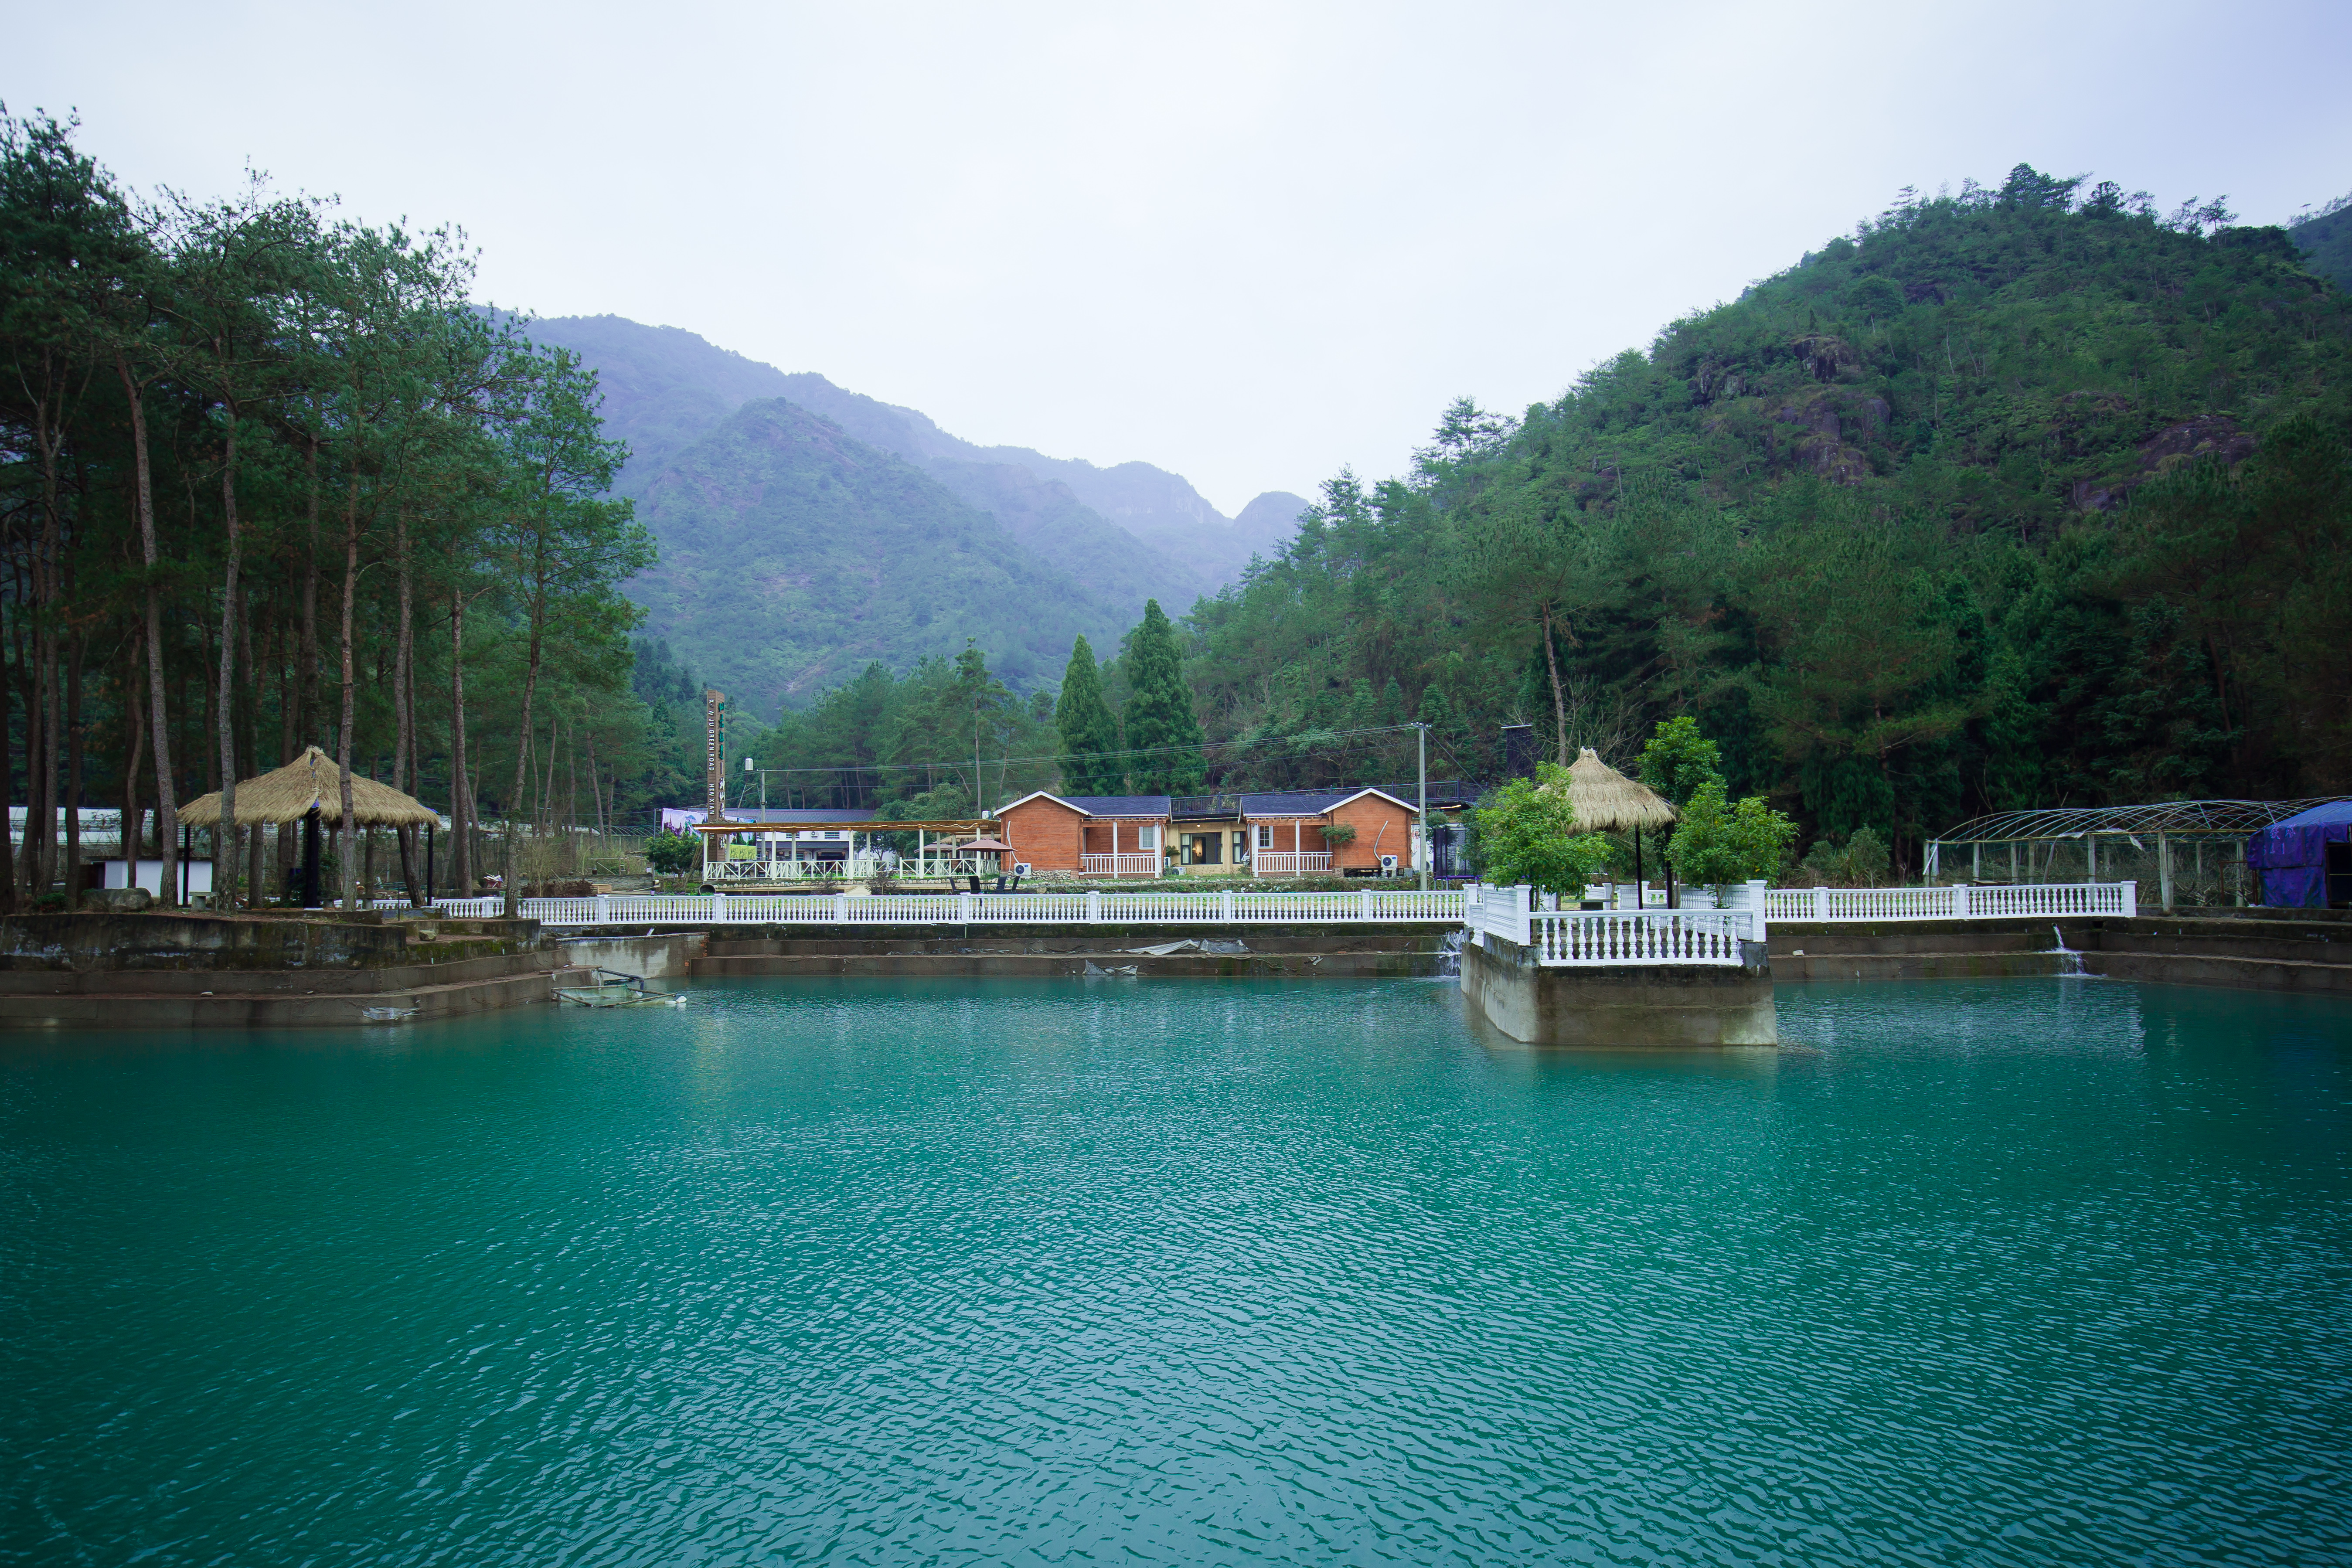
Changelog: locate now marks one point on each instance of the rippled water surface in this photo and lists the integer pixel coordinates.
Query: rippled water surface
(2024, 1271)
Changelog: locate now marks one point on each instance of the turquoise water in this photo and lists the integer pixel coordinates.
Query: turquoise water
(2024, 1271)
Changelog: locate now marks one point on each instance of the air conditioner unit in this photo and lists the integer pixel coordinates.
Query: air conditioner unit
(1021, 867)
(1388, 862)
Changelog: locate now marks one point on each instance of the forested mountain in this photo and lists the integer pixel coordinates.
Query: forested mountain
(794, 554)
(2325, 240)
(2021, 496)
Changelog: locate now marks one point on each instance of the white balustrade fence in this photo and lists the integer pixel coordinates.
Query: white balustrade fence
(1087, 908)
(1954, 903)
(1592, 939)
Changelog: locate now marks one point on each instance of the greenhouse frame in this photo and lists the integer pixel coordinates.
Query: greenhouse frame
(2193, 852)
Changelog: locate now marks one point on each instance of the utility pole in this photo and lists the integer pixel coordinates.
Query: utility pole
(1421, 745)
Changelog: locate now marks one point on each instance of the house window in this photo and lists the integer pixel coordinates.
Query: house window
(1147, 837)
(1264, 836)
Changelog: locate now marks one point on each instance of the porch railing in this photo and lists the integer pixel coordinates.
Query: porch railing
(1126, 863)
(1289, 862)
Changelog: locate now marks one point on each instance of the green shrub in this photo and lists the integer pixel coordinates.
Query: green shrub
(673, 854)
(1527, 833)
(1716, 842)
(1862, 861)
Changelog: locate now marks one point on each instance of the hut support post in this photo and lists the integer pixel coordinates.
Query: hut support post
(2164, 869)
(310, 859)
(428, 863)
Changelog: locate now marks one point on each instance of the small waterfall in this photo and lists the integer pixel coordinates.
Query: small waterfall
(1449, 954)
(2069, 961)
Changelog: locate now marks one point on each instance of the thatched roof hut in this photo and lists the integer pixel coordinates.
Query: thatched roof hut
(312, 781)
(1606, 800)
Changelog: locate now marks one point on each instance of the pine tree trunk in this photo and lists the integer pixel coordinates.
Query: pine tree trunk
(134, 750)
(530, 691)
(461, 802)
(1558, 693)
(346, 833)
(225, 836)
(167, 810)
(404, 659)
(74, 746)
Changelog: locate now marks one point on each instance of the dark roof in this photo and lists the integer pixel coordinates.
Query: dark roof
(1118, 804)
(1299, 802)
(1443, 794)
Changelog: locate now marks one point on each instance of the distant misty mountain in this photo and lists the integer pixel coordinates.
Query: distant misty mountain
(793, 553)
(805, 530)
(665, 387)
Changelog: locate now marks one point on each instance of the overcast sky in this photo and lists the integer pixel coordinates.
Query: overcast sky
(1250, 244)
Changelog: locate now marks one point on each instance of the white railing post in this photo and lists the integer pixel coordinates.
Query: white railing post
(1959, 900)
(1364, 905)
(2131, 900)
(604, 909)
(718, 908)
(1093, 905)
(964, 909)
(1225, 905)
(1821, 903)
(840, 908)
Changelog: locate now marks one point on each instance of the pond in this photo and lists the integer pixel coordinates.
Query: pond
(1186, 1272)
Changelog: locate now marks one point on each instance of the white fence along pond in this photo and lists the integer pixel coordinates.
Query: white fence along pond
(1087, 908)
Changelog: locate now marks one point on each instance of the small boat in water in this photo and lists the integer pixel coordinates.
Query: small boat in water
(614, 989)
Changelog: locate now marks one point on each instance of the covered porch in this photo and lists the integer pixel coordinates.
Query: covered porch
(1122, 846)
(1289, 845)
(742, 853)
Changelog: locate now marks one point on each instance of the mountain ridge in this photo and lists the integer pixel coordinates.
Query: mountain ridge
(666, 386)
(793, 554)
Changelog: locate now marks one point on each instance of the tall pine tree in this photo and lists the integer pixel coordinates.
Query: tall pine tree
(1161, 727)
(1089, 731)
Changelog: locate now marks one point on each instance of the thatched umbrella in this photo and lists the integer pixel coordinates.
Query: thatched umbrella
(309, 790)
(1606, 800)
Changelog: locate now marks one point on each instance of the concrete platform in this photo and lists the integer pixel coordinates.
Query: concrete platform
(1676, 1006)
(169, 969)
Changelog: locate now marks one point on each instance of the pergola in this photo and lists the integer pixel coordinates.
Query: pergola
(2124, 833)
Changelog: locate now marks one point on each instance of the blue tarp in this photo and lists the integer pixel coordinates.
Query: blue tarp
(2291, 856)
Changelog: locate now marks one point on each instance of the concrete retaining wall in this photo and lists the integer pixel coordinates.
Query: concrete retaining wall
(660, 956)
(2270, 951)
(1670, 1006)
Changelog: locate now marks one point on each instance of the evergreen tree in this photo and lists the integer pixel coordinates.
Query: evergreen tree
(1089, 729)
(1161, 724)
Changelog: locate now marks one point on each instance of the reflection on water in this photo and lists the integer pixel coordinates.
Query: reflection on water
(2000, 1272)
